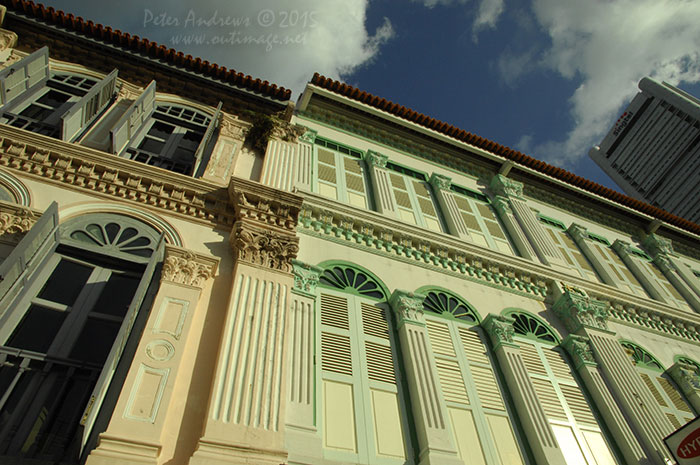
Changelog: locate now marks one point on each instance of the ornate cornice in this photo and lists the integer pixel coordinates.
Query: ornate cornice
(500, 330)
(15, 221)
(685, 377)
(109, 176)
(439, 181)
(506, 187)
(266, 206)
(306, 278)
(408, 307)
(579, 348)
(376, 159)
(182, 266)
(577, 310)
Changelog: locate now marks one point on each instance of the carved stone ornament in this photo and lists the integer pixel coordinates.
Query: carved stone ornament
(686, 377)
(306, 278)
(622, 248)
(184, 267)
(500, 330)
(657, 245)
(502, 206)
(439, 181)
(264, 247)
(579, 348)
(309, 136)
(506, 187)
(128, 91)
(376, 159)
(8, 39)
(264, 205)
(578, 232)
(287, 132)
(577, 310)
(17, 222)
(408, 307)
(233, 127)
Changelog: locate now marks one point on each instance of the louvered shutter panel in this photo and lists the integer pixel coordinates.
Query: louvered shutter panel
(206, 139)
(82, 112)
(675, 395)
(377, 344)
(29, 73)
(336, 352)
(147, 288)
(133, 118)
(24, 259)
(482, 371)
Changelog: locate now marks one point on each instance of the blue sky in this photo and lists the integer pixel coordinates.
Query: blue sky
(547, 77)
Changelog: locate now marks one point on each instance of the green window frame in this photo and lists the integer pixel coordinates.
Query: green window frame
(340, 173)
(415, 200)
(568, 411)
(567, 247)
(477, 406)
(625, 279)
(363, 413)
(664, 390)
(483, 224)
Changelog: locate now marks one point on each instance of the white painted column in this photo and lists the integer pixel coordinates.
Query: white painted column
(303, 164)
(680, 277)
(140, 430)
(505, 213)
(427, 401)
(229, 142)
(588, 317)
(446, 199)
(381, 184)
(279, 164)
(539, 433)
(688, 381)
(580, 236)
(648, 281)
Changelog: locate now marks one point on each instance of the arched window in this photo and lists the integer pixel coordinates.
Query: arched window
(664, 390)
(568, 411)
(70, 311)
(478, 412)
(363, 413)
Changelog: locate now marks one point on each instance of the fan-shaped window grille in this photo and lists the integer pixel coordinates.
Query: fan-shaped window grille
(691, 362)
(443, 303)
(641, 357)
(350, 279)
(529, 326)
(114, 233)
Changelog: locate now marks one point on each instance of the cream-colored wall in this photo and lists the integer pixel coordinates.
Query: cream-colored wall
(662, 347)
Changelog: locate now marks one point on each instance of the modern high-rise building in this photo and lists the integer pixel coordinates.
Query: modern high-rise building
(653, 150)
(194, 270)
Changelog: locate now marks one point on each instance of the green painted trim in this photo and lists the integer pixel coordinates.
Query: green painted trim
(653, 363)
(342, 148)
(688, 360)
(401, 169)
(511, 311)
(598, 238)
(331, 263)
(551, 221)
(639, 253)
(471, 193)
(428, 288)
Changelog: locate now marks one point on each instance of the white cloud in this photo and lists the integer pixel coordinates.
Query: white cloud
(609, 46)
(329, 37)
(487, 16)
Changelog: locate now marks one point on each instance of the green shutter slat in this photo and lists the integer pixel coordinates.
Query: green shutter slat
(336, 355)
(451, 380)
(334, 311)
(440, 339)
(380, 365)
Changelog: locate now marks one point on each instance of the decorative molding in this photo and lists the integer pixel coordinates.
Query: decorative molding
(160, 350)
(287, 132)
(309, 136)
(408, 307)
(685, 377)
(576, 309)
(233, 127)
(263, 247)
(506, 187)
(579, 348)
(578, 232)
(502, 205)
(306, 278)
(656, 245)
(439, 181)
(15, 221)
(106, 175)
(8, 39)
(182, 266)
(500, 330)
(128, 91)
(376, 159)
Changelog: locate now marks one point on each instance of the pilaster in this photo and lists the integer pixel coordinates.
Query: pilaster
(381, 183)
(232, 134)
(429, 409)
(588, 317)
(688, 380)
(539, 433)
(580, 236)
(647, 280)
(247, 406)
(581, 353)
(281, 156)
(446, 199)
(679, 275)
(142, 429)
(505, 213)
(303, 164)
(527, 221)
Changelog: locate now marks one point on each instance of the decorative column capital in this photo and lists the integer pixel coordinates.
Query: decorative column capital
(506, 187)
(657, 245)
(376, 159)
(578, 232)
(182, 266)
(233, 127)
(502, 205)
(577, 310)
(579, 348)
(309, 136)
(686, 377)
(500, 330)
(306, 278)
(263, 247)
(439, 181)
(288, 132)
(408, 307)
(622, 247)
(664, 263)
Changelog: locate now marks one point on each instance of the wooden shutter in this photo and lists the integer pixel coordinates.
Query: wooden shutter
(336, 353)
(84, 111)
(482, 371)
(206, 139)
(98, 393)
(377, 344)
(18, 267)
(29, 73)
(132, 120)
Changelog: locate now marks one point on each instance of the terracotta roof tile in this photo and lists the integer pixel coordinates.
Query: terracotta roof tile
(506, 152)
(145, 47)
